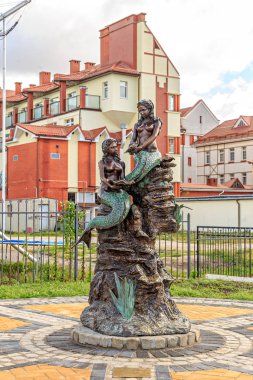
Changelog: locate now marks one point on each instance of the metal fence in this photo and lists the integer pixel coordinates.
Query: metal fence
(36, 237)
(224, 250)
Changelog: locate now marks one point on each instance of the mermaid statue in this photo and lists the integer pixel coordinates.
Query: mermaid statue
(114, 183)
(129, 293)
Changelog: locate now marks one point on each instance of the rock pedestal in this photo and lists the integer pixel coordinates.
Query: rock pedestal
(128, 250)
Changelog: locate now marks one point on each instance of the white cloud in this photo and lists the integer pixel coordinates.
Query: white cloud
(204, 39)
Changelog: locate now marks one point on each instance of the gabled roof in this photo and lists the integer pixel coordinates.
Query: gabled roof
(118, 67)
(42, 88)
(118, 135)
(185, 111)
(228, 130)
(94, 133)
(234, 183)
(48, 130)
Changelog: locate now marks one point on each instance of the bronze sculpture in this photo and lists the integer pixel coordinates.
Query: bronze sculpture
(129, 293)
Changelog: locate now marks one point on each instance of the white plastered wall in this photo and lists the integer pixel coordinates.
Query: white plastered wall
(218, 212)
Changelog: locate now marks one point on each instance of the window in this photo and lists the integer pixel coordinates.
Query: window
(55, 156)
(171, 146)
(105, 90)
(189, 180)
(200, 119)
(207, 158)
(231, 176)
(189, 161)
(244, 178)
(69, 122)
(123, 89)
(244, 153)
(171, 102)
(231, 154)
(221, 179)
(15, 157)
(221, 155)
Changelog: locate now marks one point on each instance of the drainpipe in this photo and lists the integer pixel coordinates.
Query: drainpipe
(123, 128)
(238, 213)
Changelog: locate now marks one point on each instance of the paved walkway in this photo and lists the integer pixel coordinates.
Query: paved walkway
(35, 344)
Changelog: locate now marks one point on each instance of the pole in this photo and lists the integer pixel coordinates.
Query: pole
(188, 245)
(3, 17)
(4, 129)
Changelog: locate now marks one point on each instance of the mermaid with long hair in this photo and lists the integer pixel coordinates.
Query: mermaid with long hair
(112, 170)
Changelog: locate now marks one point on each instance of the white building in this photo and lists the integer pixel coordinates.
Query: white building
(224, 152)
(195, 122)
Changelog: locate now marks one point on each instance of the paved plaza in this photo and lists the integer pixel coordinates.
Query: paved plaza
(35, 344)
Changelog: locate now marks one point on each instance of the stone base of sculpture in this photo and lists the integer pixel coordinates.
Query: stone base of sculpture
(84, 336)
(127, 252)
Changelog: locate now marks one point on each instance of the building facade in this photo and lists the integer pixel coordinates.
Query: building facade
(224, 152)
(195, 122)
(55, 129)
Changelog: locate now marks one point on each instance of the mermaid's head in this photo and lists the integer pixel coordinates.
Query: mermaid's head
(148, 104)
(106, 145)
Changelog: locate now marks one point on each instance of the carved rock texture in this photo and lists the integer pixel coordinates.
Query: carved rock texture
(129, 250)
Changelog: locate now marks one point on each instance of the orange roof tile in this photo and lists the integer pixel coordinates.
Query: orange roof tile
(118, 135)
(42, 88)
(227, 185)
(120, 67)
(48, 130)
(15, 98)
(93, 133)
(8, 93)
(227, 130)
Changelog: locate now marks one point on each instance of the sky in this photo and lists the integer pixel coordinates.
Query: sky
(208, 41)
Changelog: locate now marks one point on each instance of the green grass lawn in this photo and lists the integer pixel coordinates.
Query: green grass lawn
(183, 288)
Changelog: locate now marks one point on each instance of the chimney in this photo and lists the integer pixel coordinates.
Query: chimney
(18, 87)
(212, 181)
(118, 41)
(32, 85)
(74, 66)
(45, 77)
(89, 65)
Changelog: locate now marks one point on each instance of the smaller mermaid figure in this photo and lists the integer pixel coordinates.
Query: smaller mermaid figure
(112, 175)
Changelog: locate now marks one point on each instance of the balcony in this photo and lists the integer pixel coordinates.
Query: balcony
(8, 121)
(38, 113)
(92, 101)
(72, 103)
(22, 117)
(54, 108)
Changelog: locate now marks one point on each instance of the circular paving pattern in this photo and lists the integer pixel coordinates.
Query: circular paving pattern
(36, 333)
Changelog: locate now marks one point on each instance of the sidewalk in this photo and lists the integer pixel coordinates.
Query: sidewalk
(35, 344)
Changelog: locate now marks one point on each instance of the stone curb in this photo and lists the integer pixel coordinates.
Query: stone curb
(83, 335)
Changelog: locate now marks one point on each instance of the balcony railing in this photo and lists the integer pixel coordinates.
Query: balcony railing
(92, 101)
(8, 121)
(72, 103)
(38, 112)
(22, 117)
(54, 108)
